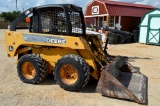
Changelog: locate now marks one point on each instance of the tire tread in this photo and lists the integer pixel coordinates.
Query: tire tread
(82, 63)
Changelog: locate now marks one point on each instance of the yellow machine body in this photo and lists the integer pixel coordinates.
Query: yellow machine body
(50, 51)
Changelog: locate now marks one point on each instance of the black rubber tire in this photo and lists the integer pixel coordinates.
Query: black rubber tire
(121, 39)
(40, 65)
(82, 68)
(136, 35)
(113, 38)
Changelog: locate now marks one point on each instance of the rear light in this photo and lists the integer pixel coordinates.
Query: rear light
(28, 20)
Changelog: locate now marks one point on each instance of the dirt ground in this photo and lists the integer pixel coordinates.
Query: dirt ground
(13, 92)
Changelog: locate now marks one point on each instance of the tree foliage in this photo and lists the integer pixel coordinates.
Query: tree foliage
(10, 16)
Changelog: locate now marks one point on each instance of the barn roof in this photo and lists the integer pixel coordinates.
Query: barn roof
(115, 8)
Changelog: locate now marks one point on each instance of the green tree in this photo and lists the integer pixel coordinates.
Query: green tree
(10, 16)
(4, 14)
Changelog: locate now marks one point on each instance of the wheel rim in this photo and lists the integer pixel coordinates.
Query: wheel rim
(68, 74)
(28, 70)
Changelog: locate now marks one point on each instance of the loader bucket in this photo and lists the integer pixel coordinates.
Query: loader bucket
(121, 80)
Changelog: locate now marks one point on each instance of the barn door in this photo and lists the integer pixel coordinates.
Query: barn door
(153, 36)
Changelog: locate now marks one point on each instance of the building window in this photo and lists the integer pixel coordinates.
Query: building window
(95, 10)
(100, 21)
(112, 22)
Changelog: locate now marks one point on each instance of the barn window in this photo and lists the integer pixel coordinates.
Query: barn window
(112, 22)
(100, 21)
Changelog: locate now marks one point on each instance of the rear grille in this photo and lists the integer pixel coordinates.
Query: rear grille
(76, 23)
(54, 21)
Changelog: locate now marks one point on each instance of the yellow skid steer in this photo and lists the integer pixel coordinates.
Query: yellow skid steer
(57, 43)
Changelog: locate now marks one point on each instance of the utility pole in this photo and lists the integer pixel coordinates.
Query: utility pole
(23, 9)
(16, 6)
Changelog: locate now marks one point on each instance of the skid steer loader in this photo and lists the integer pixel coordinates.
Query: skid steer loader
(57, 43)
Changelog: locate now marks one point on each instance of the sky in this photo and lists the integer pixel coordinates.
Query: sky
(10, 5)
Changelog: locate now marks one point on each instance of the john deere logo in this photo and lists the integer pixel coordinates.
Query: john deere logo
(45, 39)
(58, 41)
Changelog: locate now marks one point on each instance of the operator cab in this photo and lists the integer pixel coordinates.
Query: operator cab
(58, 19)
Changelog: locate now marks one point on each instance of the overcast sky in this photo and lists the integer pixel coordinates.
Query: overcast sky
(10, 5)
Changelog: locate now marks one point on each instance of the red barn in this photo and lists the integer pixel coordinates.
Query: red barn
(126, 15)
